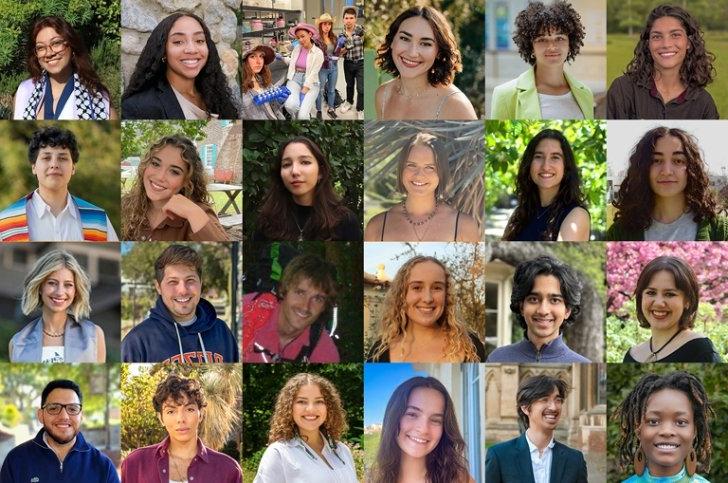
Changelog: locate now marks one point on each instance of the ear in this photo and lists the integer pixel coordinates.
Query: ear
(39, 415)
(568, 314)
(156, 286)
(32, 168)
(159, 416)
(526, 410)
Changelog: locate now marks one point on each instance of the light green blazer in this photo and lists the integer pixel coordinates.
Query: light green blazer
(518, 98)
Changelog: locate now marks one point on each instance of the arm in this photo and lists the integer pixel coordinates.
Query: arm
(492, 467)
(100, 345)
(469, 230)
(203, 221)
(458, 107)
(576, 226)
(373, 230)
(312, 71)
(270, 469)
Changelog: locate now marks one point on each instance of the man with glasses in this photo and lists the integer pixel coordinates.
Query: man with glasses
(289, 325)
(59, 450)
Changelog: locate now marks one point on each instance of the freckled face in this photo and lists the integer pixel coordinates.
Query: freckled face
(414, 48)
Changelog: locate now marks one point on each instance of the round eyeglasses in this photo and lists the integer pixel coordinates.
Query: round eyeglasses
(54, 409)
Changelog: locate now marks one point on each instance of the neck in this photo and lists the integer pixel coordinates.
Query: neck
(304, 200)
(56, 199)
(350, 29)
(668, 77)
(670, 209)
(552, 75)
(54, 321)
(183, 85)
(540, 437)
(661, 471)
(539, 342)
(183, 449)
(660, 337)
(412, 469)
(412, 86)
(548, 195)
(312, 438)
(61, 450)
(420, 205)
(286, 333)
(60, 79)
(421, 332)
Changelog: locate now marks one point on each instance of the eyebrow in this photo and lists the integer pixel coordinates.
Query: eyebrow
(557, 294)
(52, 40)
(422, 281)
(415, 408)
(660, 153)
(677, 413)
(180, 166)
(410, 35)
(171, 34)
(681, 29)
(558, 153)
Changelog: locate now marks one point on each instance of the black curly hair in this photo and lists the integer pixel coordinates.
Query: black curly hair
(538, 19)
(211, 82)
(697, 69)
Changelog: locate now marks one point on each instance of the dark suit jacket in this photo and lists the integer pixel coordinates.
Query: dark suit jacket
(510, 462)
(158, 102)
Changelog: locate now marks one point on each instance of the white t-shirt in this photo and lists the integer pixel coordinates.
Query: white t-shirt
(559, 107)
(682, 229)
(294, 461)
(53, 354)
(67, 226)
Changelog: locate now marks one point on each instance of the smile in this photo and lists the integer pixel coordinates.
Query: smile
(409, 63)
(667, 446)
(417, 440)
(58, 301)
(156, 186)
(667, 55)
(551, 417)
(659, 314)
(546, 175)
(310, 418)
(302, 314)
(183, 301)
(190, 62)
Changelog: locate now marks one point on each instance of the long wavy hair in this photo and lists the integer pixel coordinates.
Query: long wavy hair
(282, 426)
(635, 200)
(448, 61)
(697, 69)
(445, 464)
(394, 323)
(265, 78)
(152, 68)
(80, 60)
(276, 218)
(135, 205)
(527, 192)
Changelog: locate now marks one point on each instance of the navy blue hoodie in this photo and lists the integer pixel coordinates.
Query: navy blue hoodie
(160, 339)
(35, 461)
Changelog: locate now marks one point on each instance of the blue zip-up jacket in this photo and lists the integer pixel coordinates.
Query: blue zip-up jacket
(525, 351)
(33, 461)
(160, 339)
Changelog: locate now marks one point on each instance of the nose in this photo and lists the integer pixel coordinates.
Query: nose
(190, 47)
(544, 306)
(427, 295)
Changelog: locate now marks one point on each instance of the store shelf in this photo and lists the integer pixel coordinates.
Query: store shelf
(258, 33)
(268, 9)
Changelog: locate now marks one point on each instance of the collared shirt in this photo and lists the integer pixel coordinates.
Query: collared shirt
(43, 225)
(354, 44)
(541, 463)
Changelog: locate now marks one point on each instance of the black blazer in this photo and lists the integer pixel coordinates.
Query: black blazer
(157, 102)
(510, 462)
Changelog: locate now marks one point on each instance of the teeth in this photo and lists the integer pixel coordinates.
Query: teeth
(667, 445)
(156, 186)
(183, 300)
(190, 63)
(409, 63)
(417, 440)
(659, 313)
(417, 183)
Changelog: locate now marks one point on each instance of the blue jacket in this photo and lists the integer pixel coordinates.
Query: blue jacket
(35, 461)
(160, 339)
(510, 462)
(525, 351)
(80, 344)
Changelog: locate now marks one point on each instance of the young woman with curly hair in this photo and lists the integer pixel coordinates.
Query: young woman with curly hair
(667, 296)
(304, 437)
(301, 203)
(178, 75)
(168, 200)
(420, 409)
(670, 410)
(667, 76)
(666, 194)
(551, 205)
(419, 323)
(547, 36)
(421, 53)
(63, 83)
(422, 176)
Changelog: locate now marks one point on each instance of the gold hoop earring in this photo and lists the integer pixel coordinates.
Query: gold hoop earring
(691, 462)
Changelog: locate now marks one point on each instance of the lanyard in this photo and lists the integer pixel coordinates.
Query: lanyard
(48, 101)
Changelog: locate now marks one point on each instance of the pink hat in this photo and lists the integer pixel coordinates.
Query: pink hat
(303, 26)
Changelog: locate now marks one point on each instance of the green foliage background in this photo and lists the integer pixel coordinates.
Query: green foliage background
(97, 172)
(138, 136)
(621, 378)
(262, 383)
(340, 141)
(505, 142)
(96, 21)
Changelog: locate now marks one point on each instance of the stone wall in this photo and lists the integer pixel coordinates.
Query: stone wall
(139, 17)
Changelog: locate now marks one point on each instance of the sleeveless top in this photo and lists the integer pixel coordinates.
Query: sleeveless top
(388, 92)
(80, 342)
(454, 237)
(534, 230)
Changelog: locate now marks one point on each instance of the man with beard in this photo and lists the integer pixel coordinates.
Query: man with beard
(59, 450)
(534, 456)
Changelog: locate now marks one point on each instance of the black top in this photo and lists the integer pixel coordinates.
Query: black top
(536, 227)
(158, 102)
(696, 350)
(348, 229)
(479, 350)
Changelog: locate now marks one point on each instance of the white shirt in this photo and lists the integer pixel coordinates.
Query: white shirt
(684, 228)
(294, 461)
(541, 464)
(53, 354)
(559, 107)
(25, 89)
(67, 226)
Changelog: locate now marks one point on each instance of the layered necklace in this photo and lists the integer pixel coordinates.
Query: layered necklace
(414, 224)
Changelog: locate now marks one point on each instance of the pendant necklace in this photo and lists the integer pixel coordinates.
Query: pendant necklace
(653, 356)
(415, 224)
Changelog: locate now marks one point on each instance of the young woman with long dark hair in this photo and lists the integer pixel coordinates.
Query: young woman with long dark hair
(256, 79)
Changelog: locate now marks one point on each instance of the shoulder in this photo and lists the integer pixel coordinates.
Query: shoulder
(373, 230)
(570, 452)
(221, 459)
(576, 225)
(503, 354)
(140, 454)
(468, 228)
(504, 447)
(457, 105)
(623, 82)
(384, 87)
(140, 104)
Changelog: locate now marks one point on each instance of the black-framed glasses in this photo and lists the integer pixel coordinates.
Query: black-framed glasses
(54, 47)
(54, 409)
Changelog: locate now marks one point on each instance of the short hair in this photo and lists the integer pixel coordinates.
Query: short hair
(349, 11)
(60, 384)
(439, 152)
(50, 262)
(54, 137)
(178, 387)
(538, 19)
(177, 255)
(282, 426)
(448, 61)
(533, 389)
(685, 281)
(316, 269)
(523, 280)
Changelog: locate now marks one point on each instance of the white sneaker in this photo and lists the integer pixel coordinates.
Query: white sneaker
(344, 107)
(360, 115)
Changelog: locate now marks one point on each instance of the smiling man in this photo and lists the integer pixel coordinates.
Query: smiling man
(182, 326)
(59, 451)
(534, 456)
(546, 299)
(290, 326)
(51, 213)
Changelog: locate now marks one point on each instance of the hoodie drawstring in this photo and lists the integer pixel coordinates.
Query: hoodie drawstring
(202, 343)
(179, 341)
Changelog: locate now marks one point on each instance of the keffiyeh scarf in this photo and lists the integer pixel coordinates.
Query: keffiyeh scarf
(88, 106)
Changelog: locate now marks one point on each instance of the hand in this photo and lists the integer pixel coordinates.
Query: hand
(180, 206)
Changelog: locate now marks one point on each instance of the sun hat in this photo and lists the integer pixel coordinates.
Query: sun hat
(325, 17)
(269, 54)
(303, 26)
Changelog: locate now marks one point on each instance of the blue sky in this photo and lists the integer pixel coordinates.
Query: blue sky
(387, 253)
(380, 381)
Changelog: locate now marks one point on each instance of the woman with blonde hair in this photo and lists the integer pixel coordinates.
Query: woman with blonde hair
(169, 200)
(419, 323)
(305, 428)
(61, 289)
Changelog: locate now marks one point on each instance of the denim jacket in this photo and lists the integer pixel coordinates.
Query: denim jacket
(80, 342)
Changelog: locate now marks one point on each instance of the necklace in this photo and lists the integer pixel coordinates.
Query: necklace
(415, 224)
(653, 356)
(54, 335)
(400, 90)
(174, 459)
(300, 230)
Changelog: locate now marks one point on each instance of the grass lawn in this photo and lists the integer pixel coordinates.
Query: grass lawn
(371, 445)
(620, 49)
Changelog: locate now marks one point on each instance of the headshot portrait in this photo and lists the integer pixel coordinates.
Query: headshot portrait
(666, 302)
(420, 423)
(302, 303)
(423, 182)
(175, 70)
(418, 56)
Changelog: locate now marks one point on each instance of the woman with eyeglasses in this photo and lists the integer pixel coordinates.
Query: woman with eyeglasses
(61, 289)
(307, 422)
(63, 83)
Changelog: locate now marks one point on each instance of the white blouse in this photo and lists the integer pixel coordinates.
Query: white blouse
(294, 461)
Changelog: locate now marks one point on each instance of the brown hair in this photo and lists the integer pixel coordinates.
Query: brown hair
(312, 267)
(685, 281)
(265, 78)
(177, 255)
(441, 160)
(177, 387)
